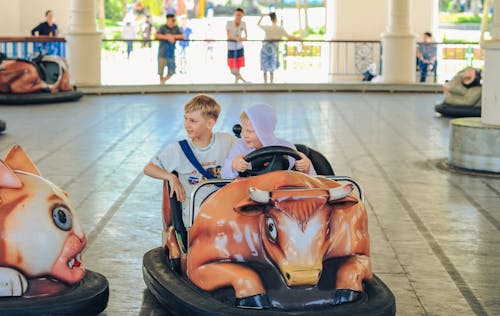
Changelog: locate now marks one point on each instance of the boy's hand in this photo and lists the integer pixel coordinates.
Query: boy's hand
(239, 164)
(176, 187)
(304, 164)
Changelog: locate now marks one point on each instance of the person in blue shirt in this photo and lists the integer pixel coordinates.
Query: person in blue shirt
(168, 34)
(426, 56)
(48, 28)
(186, 31)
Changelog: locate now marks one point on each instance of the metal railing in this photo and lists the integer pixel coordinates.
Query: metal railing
(205, 61)
(22, 47)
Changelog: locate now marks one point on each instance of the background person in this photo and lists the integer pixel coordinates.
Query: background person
(236, 33)
(269, 61)
(167, 34)
(47, 28)
(426, 55)
(186, 32)
(129, 34)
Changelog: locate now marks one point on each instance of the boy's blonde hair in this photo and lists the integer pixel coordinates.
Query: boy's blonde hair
(207, 105)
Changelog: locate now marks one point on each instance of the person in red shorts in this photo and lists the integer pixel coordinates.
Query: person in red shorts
(236, 34)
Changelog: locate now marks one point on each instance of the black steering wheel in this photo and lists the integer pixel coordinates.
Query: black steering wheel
(267, 159)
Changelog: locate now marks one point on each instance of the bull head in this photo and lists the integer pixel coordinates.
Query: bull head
(295, 228)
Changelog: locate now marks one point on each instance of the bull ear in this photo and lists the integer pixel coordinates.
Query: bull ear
(8, 178)
(17, 159)
(248, 207)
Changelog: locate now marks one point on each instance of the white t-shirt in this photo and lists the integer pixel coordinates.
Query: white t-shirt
(211, 158)
(235, 31)
(273, 32)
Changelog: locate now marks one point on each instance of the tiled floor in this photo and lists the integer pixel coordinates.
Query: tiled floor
(435, 235)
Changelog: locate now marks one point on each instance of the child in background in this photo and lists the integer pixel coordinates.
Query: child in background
(258, 123)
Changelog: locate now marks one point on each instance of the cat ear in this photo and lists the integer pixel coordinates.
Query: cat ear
(8, 178)
(17, 159)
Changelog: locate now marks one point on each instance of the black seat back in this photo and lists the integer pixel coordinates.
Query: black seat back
(51, 71)
(177, 222)
(319, 162)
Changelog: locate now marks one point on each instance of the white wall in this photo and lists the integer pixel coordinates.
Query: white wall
(18, 17)
(367, 19)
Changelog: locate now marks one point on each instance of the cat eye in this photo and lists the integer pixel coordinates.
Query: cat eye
(62, 217)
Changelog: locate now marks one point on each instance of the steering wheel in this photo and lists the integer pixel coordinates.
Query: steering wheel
(267, 159)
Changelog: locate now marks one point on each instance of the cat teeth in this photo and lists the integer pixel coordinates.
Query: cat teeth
(71, 263)
(79, 256)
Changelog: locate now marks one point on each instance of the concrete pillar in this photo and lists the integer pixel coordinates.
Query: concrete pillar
(490, 105)
(84, 44)
(398, 45)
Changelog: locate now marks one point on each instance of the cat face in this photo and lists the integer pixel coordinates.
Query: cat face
(39, 233)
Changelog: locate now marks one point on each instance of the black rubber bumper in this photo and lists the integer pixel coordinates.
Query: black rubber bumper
(3, 126)
(40, 97)
(458, 110)
(181, 297)
(89, 297)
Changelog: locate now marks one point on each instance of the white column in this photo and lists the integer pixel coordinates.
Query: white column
(490, 111)
(84, 44)
(398, 45)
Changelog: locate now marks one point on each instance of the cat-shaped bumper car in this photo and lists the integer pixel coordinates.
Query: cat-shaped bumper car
(281, 242)
(40, 79)
(41, 244)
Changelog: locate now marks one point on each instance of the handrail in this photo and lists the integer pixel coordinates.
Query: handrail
(250, 40)
(40, 38)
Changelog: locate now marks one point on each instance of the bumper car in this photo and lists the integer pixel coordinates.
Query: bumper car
(462, 95)
(40, 79)
(41, 268)
(272, 242)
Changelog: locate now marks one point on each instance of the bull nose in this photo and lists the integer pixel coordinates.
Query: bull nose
(302, 276)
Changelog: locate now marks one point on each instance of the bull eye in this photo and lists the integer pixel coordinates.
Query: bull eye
(62, 217)
(272, 230)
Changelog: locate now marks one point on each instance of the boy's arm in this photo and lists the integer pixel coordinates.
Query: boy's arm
(154, 171)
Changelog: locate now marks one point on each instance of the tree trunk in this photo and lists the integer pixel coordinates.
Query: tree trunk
(101, 14)
(297, 4)
(475, 6)
(124, 3)
(306, 18)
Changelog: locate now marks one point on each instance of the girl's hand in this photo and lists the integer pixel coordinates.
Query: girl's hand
(304, 164)
(239, 164)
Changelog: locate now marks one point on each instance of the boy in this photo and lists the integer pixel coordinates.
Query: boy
(257, 130)
(210, 149)
(168, 34)
(236, 33)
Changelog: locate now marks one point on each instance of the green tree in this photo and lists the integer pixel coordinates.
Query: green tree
(113, 9)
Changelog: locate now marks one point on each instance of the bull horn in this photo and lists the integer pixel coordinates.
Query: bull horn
(259, 196)
(340, 192)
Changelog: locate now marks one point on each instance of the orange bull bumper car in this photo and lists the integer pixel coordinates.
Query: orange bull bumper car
(40, 79)
(278, 242)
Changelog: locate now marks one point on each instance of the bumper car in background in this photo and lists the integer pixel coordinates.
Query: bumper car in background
(277, 242)
(41, 267)
(39, 79)
(462, 95)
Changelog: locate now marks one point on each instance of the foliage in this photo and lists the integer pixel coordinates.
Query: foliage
(153, 7)
(461, 18)
(113, 9)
